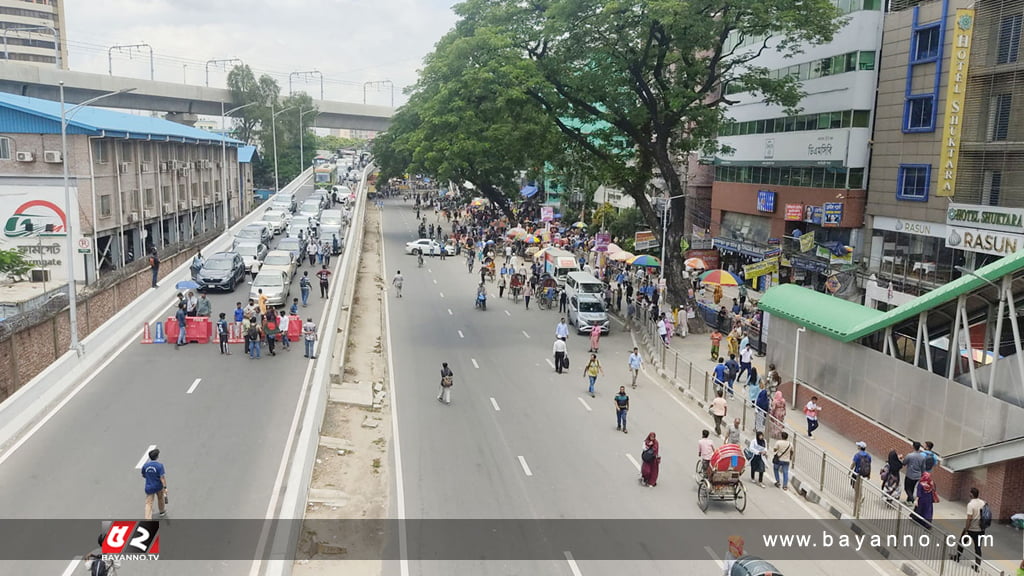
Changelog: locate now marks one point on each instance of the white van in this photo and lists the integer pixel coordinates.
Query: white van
(582, 283)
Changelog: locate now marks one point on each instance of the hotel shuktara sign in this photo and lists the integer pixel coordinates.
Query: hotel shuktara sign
(955, 92)
(988, 229)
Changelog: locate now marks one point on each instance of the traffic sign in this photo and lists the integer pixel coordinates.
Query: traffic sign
(85, 245)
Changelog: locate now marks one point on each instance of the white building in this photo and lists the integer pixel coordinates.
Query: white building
(35, 31)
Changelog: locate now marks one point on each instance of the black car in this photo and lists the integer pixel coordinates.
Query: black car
(222, 271)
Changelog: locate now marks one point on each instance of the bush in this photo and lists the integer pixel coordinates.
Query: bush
(13, 264)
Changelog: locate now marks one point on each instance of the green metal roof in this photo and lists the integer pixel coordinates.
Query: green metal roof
(847, 321)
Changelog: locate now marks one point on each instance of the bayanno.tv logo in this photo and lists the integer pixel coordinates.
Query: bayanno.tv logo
(132, 540)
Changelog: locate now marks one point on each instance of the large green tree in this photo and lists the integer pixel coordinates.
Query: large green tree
(640, 85)
(247, 89)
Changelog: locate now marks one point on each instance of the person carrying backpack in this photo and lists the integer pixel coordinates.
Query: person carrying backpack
(930, 458)
(979, 518)
(861, 465)
(304, 287)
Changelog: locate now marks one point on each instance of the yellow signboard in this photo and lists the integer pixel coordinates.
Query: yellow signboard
(761, 268)
(807, 241)
(956, 90)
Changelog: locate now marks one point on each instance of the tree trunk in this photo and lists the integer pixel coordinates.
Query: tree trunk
(497, 197)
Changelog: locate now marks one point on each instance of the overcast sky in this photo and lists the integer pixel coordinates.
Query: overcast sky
(350, 41)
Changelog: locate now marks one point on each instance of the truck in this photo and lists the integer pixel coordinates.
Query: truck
(558, 263)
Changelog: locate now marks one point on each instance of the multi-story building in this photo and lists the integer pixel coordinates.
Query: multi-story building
(947, 186)
(35, 31)
(793, 175)
(137, 182)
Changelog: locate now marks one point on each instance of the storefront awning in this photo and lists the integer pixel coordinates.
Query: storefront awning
(528, 191)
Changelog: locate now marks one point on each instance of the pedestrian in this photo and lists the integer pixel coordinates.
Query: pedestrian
(444, 394)
(733, 433)
(309, 336)
(764, 406)
(501, 284)
(780, 461)
(758, 447)
(282, 325)
(239, 313)
(746, 359)
(197, 264)
(271, 329)
(721, 374)
(156, 484)
(324, 275)
(563, 301)
(734, 553)
(397, 282)
(930, 457)
(335, 244)
(636, 362)
(180, 317)
(621, 403)
(527, 293)
(733, 341)
(154, 266)
(254, 266)
(705, 450)
(261, 300)
(890, 475)
(778, 412)
(222, 333)
(913, 463)
(716, 341)
(752, 386)
(719, 408)
(562, 330)
(861, 464)
(651, 457)
(774, 379)
(591, 371)
(246, 323)
(204, 309)
(191, 304)
(743, 295)
(595, 338)
(811, 411)
(294, 311)
(663, 329)
(979, 517)
(255, 339)
(732, 369)
(311, 249)
(559, 352)
(927, 497)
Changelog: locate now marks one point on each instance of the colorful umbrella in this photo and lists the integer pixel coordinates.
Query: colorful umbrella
(532, 239)
(516, 232)
(613, 248)
(695, 264)
(645, 260)
(719, 277)
(580, 224)
(622, 256)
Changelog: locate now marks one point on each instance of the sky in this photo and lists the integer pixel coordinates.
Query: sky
(350, 42)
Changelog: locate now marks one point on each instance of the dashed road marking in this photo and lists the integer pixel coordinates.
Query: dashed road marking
(573, 567)
(145, 457)
(633, 460)
(495, 404)
(475, 365)
(525, 334)
(460, 334)
(442, 294)
(194, 385)
(526, 467)
(450, 312)
(585, 405)
(507, 313)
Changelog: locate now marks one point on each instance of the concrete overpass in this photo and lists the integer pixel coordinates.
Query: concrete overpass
(41, 82)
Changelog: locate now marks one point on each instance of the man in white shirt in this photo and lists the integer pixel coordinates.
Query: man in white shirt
(746, 357)
(397, 283)
(973, 528)
(562, 330)
(636, 362)
(282, 323)
(662, 329)
(508, 255)
(559, 350)
(254, 266)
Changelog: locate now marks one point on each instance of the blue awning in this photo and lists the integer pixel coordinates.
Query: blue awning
(528, 191)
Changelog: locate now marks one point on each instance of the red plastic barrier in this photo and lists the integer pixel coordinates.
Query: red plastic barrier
(198, 329)
(294, 328)
(235, 335)
(171, 328)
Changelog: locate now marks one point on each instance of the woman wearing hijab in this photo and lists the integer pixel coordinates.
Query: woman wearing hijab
(649, 469)
(595, 337)
(763, 407)
(778, 413)
(752, 389)
(926, 498)
(758, 448)
(891, 477)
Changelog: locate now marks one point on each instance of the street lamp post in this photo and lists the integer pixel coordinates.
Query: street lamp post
(273, 128)
(796, 360)
(224, 156)
(302, 134)
(68, 216)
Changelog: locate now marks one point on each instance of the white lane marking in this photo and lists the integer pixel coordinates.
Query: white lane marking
(526, 467)
(442, 294)
(507, 313)
(75, 563)
(475, 365)
(525, 334)
(572, 564)
(633, 460)
(450, 312)
(435, 280)
(194, 385)
(714, 557)
(550, 363)
(460, 334)
(145, 456)
(585, 405)
(495, 404)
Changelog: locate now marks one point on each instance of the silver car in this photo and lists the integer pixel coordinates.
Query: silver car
(250, 250)
(586, 311)
(275, 287)
(280, 260)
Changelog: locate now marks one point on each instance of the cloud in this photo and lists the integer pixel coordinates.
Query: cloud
(349, 41)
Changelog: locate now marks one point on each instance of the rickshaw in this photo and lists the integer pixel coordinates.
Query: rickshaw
(547, 292)
(723, 481)
(516, 286)
(488, 267)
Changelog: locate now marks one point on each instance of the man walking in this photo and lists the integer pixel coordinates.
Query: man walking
(444, 395)
(559, 351)
(309, 335)
(914, 464)
(719, 408)
(154, 266)
(811, 411)
(746, 359)
(974, 527)
(222, 333)
(304, 287)
(397, 282)
(563, 301)
(180, 317)
(156, 484)
(732, 368)
(324, 275)
(311, 249)
(562, 330)
(636, 362)
(282, 324)
(621, 409)
(732, 434)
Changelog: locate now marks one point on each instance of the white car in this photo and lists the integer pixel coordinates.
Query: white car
(276, 220)
(280, 260)
(428, 247)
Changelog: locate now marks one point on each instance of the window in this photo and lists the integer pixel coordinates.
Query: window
(856, 181)
(181, 194)
(147, 152)
(165, 193)
(861, 118)
(195, 192)
(926, 44)
(5, 148)
(150, 198)
(105, 206)
(918, 113)
(127, 152)
(866, 60)
(993, 186)
(912, 182)
(999, 117)
(100, 152)
(1009, 39)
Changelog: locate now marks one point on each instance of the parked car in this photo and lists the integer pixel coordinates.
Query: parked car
(327, 233)
(428, 247)
(294, 246)
(250, 249)
(309, 209)
(222, 271)
(586, 310)
(253, 233)
(276, 219)
(275, 286)
(284, 202)
(297, 226)
(280, 260)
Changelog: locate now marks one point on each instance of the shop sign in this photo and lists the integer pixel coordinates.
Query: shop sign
(986, 217)
(775, 241)
(956, 90)
(794, 212)
(807, 241)
(773, 252)
(761, 268)
(601, 241)
(984, 241)
(739, 247)
(832, 214)
(812, 214)
(644, 240)
(933, 229)
(710, 257)
(35, 224)
(547, 213)
(801, 263)
(765, 201)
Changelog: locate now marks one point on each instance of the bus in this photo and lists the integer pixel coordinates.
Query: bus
(325, 176)
(320, 160)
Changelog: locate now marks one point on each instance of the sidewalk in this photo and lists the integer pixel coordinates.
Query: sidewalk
(820, 474)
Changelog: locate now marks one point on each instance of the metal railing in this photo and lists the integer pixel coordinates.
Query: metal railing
(865, 502)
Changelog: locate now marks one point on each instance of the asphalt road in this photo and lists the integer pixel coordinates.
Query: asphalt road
(221, 439)
(520, 442)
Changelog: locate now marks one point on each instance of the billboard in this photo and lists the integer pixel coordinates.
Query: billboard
(644, 240)
(35, 223)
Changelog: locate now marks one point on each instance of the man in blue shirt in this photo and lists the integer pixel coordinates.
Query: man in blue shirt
(239, 312)
(156, 484)
(180, 317)
(720, 373)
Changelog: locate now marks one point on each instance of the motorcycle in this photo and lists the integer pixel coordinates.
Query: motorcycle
(481, 301)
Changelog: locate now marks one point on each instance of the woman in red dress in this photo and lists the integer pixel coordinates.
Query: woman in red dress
(652, 461)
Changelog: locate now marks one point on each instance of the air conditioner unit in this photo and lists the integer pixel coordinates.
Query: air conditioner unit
(206, 164)
(168, 207)
(220, 164)
(198, 164)
(123, 167)
(183, 203)
(40, 275)
(133, 216)
(145, 167)
(216, 196)
(53, 157)
(25, 157)
(148, 214)
(165, 166)
(182, 172)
